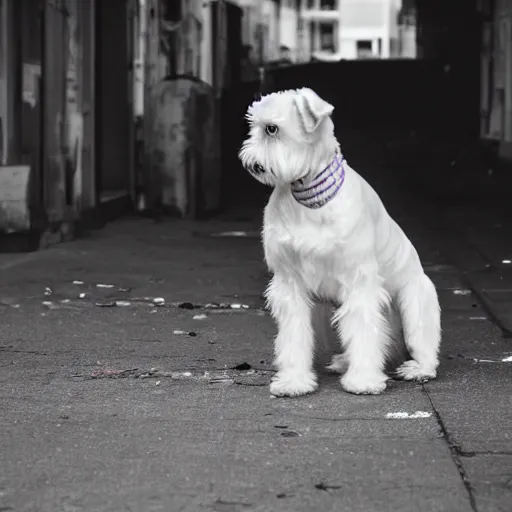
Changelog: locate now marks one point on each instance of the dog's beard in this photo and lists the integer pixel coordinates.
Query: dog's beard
(274, 166)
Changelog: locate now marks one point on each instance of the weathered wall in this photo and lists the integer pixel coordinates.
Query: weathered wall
(184, 147)
(49, 74)
(181, 139)
(63, 124)
(14, 143)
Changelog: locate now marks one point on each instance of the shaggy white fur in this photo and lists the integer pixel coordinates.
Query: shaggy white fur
(349, 252)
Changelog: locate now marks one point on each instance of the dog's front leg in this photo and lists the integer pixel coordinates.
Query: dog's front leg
(291, 307)
(365, 334)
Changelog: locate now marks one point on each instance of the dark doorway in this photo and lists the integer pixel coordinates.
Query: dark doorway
(113, 111)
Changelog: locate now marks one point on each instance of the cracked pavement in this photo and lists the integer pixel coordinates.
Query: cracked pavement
(111, 401)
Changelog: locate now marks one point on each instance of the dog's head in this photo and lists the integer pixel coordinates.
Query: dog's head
(291, 135)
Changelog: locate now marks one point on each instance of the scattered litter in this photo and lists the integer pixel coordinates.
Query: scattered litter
(82, 296)
(65, 301)
(209, 377)
(48, 291)
(158, 301)
(290, 433)
(202, 316)
(225, 305)
(188, 333)
(104, 285)
(50, 305)
(462, 292)
(507, 262)
(324, 487)
(241, 367)
(124, 289)
(186, 305)
(214, 306)
(110, 373)
(406, 415)
(507, 359)
(231, 233)
(123, 303)
(78, 282)
(106, 304)
(239, 306)
(478, 318)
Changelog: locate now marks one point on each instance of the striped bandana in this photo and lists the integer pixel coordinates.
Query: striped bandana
(324, 187)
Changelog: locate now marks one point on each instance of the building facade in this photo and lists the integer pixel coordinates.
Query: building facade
(496, 74)
(357, 29)
(66, 108)
(271, 30)
(78, 86)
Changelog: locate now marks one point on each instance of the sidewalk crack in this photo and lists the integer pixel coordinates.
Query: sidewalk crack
(454, 451)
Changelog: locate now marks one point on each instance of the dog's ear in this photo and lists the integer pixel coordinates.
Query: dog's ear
(311, 108)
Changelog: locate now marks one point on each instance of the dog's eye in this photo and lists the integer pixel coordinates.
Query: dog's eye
(271, 129)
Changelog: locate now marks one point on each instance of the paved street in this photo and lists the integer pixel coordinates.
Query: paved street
(116, 396)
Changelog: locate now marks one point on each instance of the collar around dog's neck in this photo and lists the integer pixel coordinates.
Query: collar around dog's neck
(323, 187)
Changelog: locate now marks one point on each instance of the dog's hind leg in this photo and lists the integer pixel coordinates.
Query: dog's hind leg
(294, 345)
(421, 317)
(364, 333)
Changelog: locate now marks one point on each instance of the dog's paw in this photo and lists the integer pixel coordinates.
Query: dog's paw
(412, 370)
(293, 384)
(364, 384)
(339, 364)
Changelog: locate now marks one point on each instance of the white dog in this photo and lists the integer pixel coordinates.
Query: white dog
(327, 236)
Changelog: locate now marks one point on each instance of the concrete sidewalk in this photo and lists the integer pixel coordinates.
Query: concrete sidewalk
(113, 399)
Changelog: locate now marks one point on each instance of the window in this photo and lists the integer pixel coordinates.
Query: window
(328, 5)
(327, 41)
(172, 11)
(364, 49)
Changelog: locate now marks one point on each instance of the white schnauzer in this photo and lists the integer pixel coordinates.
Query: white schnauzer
(327, 236)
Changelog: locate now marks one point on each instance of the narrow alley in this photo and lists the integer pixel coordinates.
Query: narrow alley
(135, 372)
(136, 349)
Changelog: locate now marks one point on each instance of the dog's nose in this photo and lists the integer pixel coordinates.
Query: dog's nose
(258, 169)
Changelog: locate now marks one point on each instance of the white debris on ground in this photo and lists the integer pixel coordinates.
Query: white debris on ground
(507, 359)
(200, 317)
(123, 303)
(408, 416)
(461, 292)
(232, 233)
